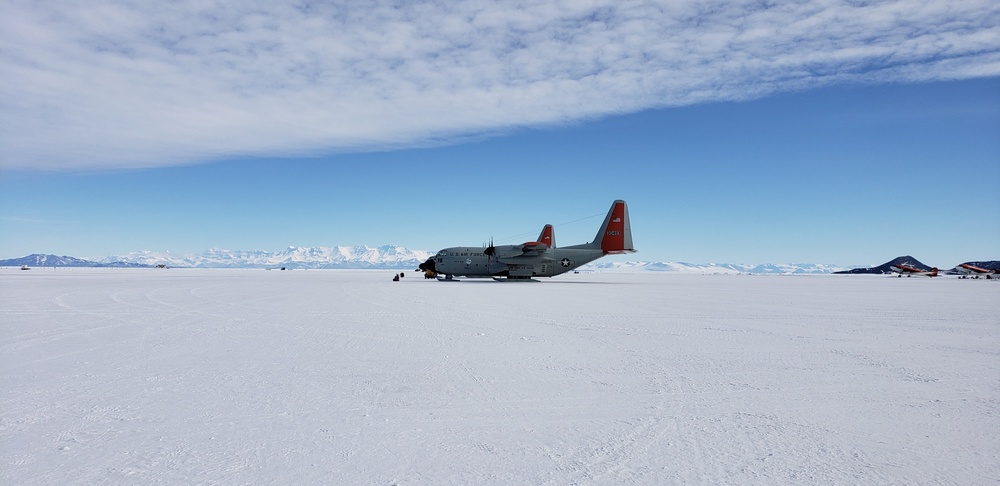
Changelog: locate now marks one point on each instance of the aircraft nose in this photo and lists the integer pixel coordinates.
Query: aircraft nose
(428, 266)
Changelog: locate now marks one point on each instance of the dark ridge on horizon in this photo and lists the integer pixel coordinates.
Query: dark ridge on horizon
(884, 268)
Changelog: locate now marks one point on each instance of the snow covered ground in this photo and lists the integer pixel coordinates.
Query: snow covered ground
(114, 376)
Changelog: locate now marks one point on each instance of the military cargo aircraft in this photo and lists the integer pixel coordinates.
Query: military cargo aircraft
(534, 258)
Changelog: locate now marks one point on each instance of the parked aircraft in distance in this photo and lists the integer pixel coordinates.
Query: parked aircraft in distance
(535, 258)
(907, 270)
(973, 271)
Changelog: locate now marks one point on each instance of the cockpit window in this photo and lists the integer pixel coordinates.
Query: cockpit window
(442, 253)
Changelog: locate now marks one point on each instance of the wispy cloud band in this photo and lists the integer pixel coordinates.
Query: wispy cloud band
(113, 84)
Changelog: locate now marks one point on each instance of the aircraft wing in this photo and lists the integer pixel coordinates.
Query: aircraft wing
(531, 251)
(533, 248)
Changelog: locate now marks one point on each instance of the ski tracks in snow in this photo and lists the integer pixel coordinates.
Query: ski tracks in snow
(137, 376)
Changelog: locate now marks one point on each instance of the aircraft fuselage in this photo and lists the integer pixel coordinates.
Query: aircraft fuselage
(909, 270)
(967, 270)
(512, 261)
(534, 258)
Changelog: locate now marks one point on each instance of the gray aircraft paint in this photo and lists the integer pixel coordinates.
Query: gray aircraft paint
(537, 259)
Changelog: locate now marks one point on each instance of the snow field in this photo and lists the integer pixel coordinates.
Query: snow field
(251, 376)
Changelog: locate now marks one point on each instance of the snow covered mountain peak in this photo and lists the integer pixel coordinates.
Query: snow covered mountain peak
(361, 256)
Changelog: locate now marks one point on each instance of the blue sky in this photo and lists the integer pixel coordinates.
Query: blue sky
(740, 134)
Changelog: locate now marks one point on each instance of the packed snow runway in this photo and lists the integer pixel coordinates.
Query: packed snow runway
(345, 377)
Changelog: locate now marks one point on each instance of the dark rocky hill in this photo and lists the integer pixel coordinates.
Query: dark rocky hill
(884, 268)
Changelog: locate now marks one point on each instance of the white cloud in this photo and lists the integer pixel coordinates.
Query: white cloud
(108, 84)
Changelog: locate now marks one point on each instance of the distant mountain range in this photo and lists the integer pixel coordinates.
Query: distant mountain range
(716, 268)
(39, 260)
(401, 258)
(360, 257)
(387, 256)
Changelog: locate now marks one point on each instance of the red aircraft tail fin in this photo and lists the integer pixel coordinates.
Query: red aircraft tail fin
(548, 236)
(616, 232)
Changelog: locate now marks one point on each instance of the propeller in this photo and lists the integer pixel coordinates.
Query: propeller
(490, 250)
